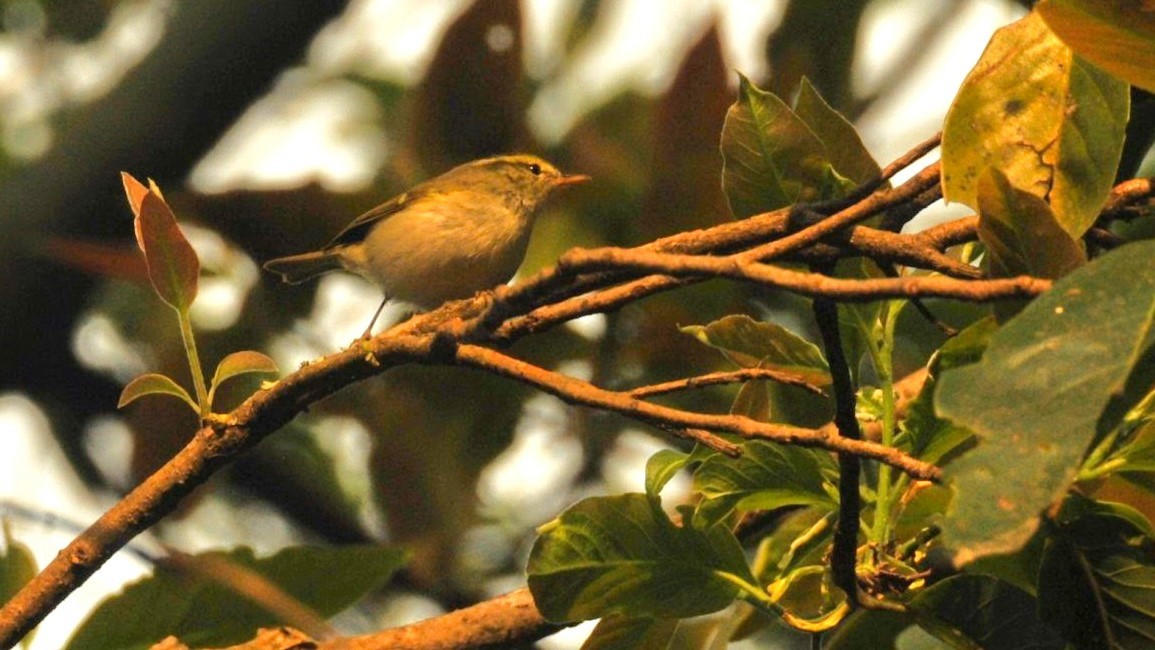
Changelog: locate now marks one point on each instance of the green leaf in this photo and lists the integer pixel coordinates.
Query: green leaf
(921, 507)
(1051, 122)
(1051, 379)
(810, 601)
(631, 633)
(754, 344)
(770, 157)
(153, 384)
(240, 363)
(766, 476)
(925, 435)
(200, 611)
(661, 467)
(1022, 236)
(621, 555)
(970, 611)
(17, 568)
(753, 401)
(1019, 568)
(173, 267)
(1137, 457)
(868, 629)
(1097, 581)
(802, 537)
(1118, 36)
(1020, 232)
(844, 147)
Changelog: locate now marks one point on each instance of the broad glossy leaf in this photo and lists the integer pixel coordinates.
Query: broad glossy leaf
(173, 267)
(629, 633)
(1052, 377)
(1116, 35)
(1097, 581)
(1022, 236)
(983, 612)
(154, 384)
(766, 476)
(1049, 121)
(771, 158)
(622, 555)
(844, 147)
(1019, 568)
(202, 612)
(755, 344)
(661, 467)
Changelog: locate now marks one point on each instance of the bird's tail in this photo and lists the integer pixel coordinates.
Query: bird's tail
(298, 268)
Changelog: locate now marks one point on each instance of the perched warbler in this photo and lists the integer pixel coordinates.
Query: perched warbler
(446, 238)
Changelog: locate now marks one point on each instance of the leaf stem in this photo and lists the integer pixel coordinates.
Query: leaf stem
(194, 362)
(882, 356)
(751, 593)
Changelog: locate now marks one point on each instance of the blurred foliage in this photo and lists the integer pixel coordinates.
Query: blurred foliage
(657, 169)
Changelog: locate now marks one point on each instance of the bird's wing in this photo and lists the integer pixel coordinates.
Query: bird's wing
(355, 232)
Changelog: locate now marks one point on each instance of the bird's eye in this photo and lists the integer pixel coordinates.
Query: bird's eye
(535, 169)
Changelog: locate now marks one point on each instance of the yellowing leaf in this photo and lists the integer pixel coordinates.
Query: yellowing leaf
(1053, 124)
(1116, 35)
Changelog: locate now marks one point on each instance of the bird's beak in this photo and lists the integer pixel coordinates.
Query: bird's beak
(571, 179)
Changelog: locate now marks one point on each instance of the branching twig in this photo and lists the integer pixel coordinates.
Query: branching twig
(806, 284)
(576, 391)
(590, 281)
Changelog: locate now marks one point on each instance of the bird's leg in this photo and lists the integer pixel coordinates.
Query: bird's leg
(369, 330)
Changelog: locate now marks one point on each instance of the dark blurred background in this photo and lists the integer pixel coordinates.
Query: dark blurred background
(270, 124)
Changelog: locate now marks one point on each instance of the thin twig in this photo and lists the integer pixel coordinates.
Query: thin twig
(909, 158)
(868, 207)
(575, 391)
(727, 377)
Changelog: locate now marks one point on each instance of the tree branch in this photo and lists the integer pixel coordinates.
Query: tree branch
(585, 282)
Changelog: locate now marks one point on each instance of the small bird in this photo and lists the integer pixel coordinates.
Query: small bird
(446, 238)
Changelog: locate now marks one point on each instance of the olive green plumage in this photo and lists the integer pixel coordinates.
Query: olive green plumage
(444, 239)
